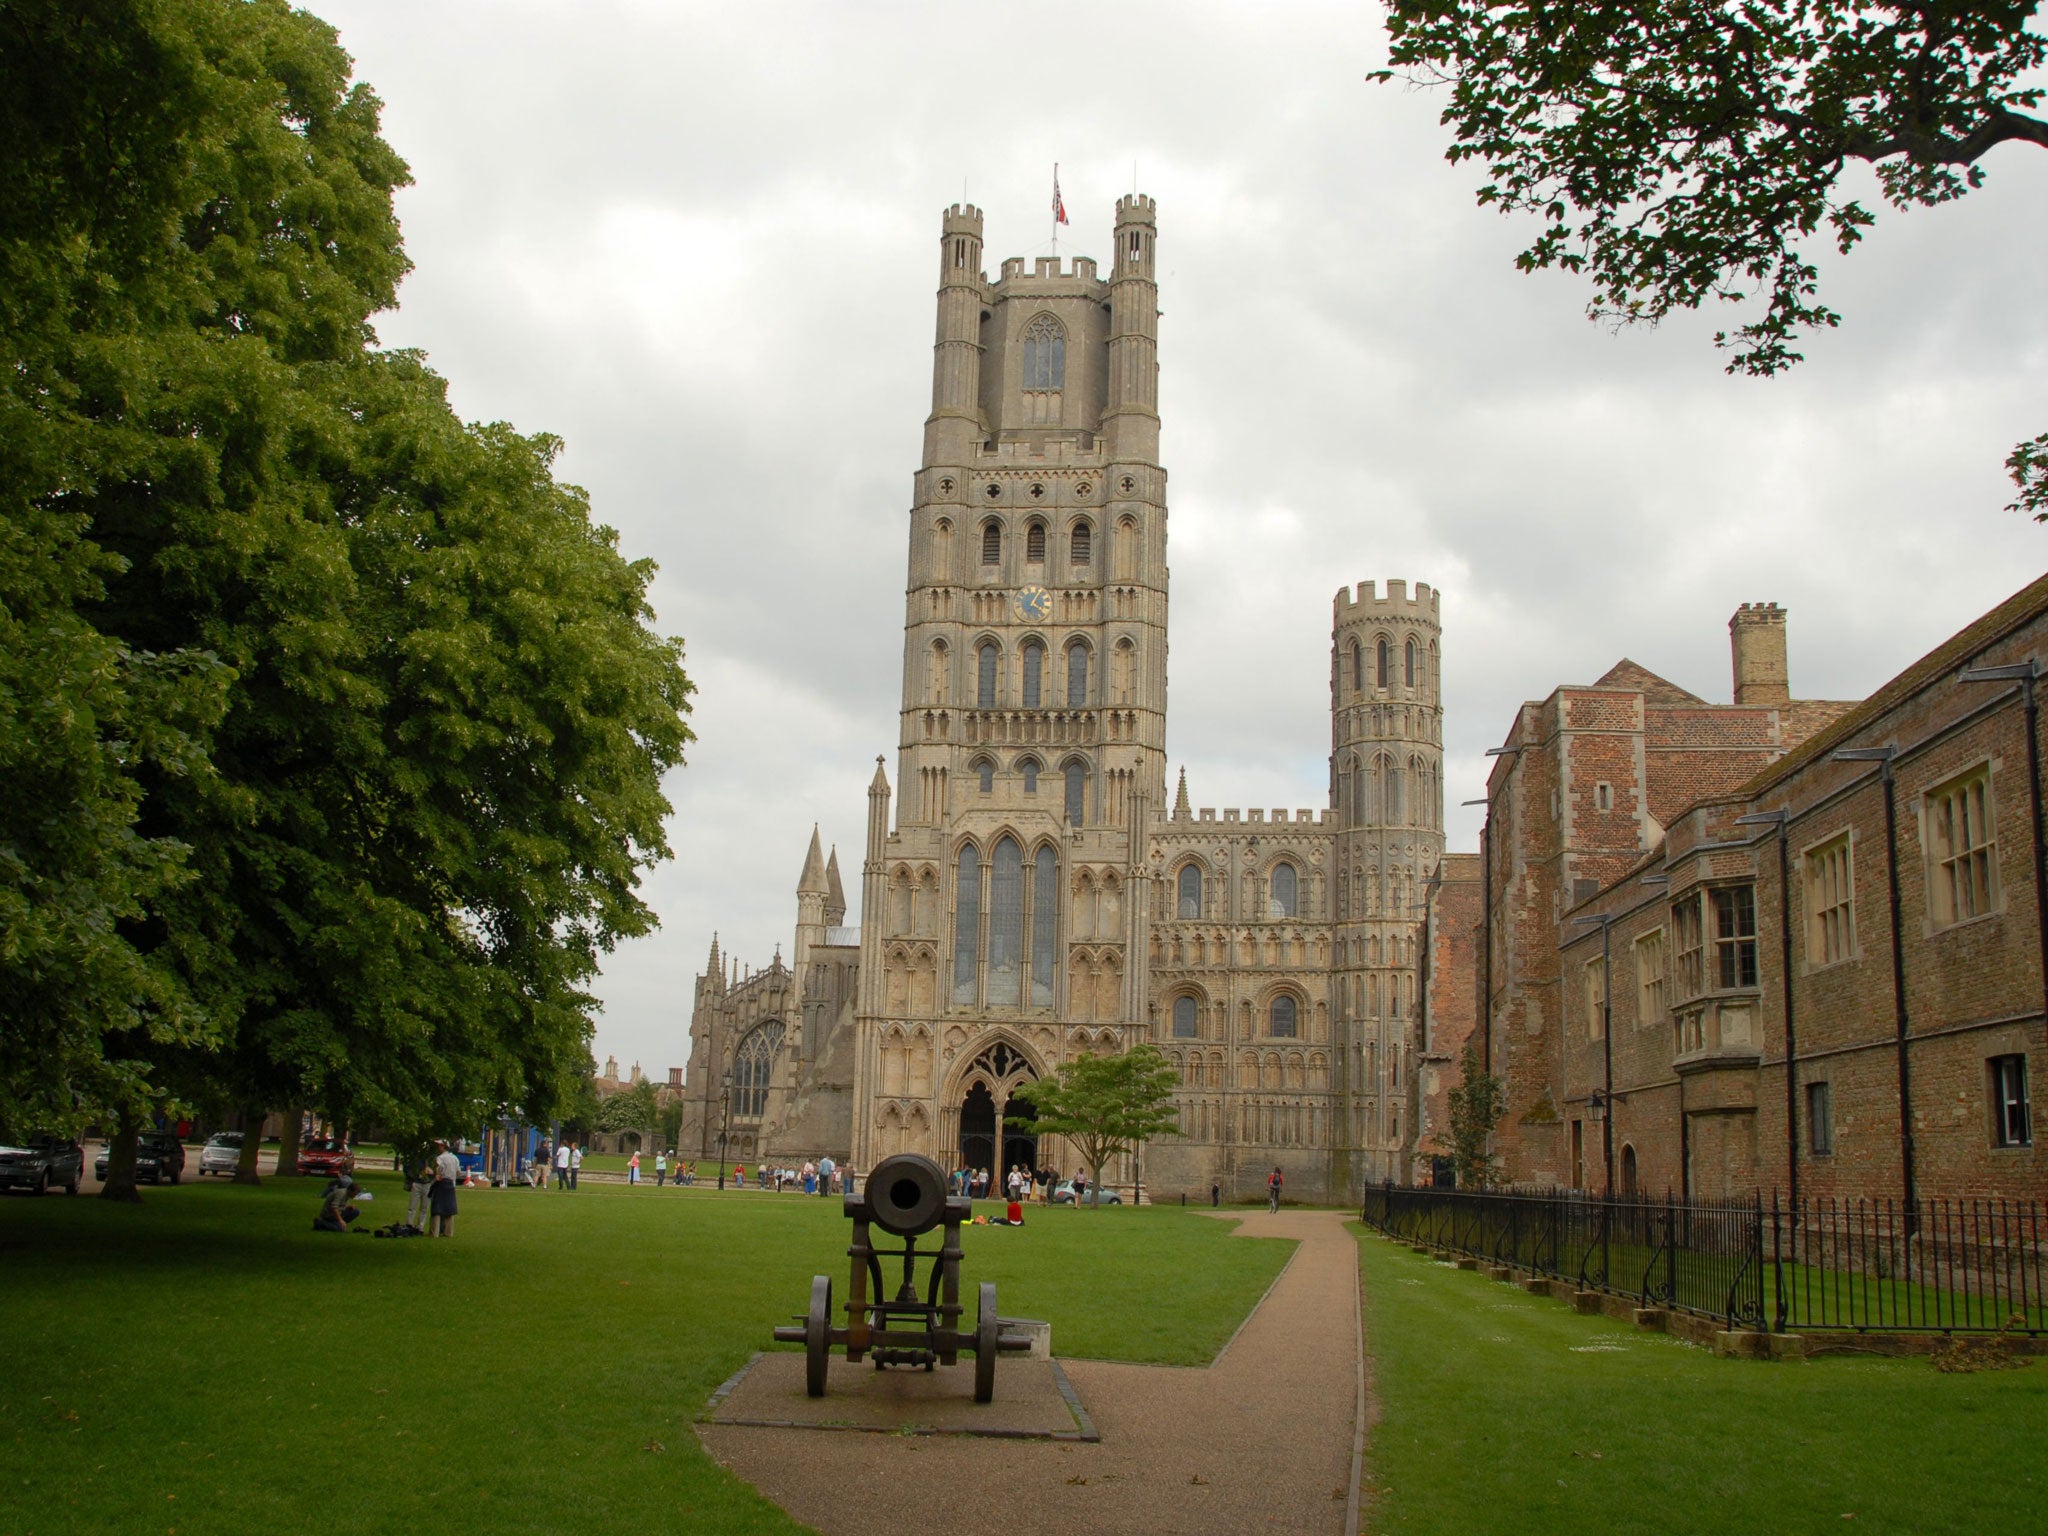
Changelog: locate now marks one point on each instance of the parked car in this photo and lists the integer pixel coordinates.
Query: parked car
(42, 1163)
(159, 1158)
(221, 1154)
(1097, 1195)
(327, 1155)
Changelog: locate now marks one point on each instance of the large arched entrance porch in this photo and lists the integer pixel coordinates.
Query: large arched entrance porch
(993, 1128)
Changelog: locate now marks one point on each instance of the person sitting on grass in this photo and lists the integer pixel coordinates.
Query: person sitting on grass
(336, 1211)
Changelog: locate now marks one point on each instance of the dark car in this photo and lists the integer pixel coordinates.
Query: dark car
(159, 1158)
(42, 1163)
(326, 1155)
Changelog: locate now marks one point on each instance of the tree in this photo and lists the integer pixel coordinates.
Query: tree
(632, 1109)
(1682, 150)
(1106, 1104)
(1476, 1105)
(354, 754)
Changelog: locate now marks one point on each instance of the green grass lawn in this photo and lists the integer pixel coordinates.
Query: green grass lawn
(1503, 1412)
(206, 1363)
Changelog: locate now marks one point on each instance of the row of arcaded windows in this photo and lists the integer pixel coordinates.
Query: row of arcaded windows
(988, 666)
(1283, 891)
(1283, 1017)
(1074, 774)
(1005, 926)
(1080, 543)
(1382, 664)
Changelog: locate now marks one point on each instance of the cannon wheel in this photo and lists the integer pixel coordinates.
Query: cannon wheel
(818, 1335)
(986, 1328)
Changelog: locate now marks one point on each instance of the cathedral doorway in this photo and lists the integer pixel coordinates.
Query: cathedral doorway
(978, 1129)
(1020, 1135)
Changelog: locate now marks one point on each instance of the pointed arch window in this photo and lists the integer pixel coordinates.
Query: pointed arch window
(1006, 924)
(985, 676)
(1077, 794)
(1189, 896)
(1408, 665)
(1286, 892)
(753, 1064)
(991, 542)
(1357, 667)
(1385, 662)
(1034, 673)
(1081, 545)
(1282, 1017)
(1045, 924)
(1045, 354)
(1184, 1018)
(986, 772)
(1077, 676)
(966, 923)
(1030, 771)
(1034, 544)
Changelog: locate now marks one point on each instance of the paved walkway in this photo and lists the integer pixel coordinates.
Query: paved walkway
(1262, 1440)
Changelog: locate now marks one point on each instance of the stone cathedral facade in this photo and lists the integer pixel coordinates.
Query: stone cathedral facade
(1028, 891)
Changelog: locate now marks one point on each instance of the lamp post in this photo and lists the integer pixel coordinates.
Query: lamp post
(1883, 756)
(2025, 673)
(724, 1122)
(1782, 820)
(1599, 1102)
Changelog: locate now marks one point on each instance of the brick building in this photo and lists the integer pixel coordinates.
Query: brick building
(1850, 890)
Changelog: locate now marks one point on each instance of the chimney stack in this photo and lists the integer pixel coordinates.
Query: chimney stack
(1756, 640)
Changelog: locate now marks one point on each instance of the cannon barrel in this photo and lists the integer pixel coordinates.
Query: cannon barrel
(906, 1195)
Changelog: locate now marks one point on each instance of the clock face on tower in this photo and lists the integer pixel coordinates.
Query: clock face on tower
(1034, 604)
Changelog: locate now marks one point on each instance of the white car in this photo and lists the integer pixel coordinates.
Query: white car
(221, 1154)
(1096, 1195)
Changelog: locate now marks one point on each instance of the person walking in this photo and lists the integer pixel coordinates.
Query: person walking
(543, 1159)
(633, 1168)
(575, 1163)
(441, 1198)
(660, 1169)
(1274, 1183)
(826, 1168)
(562, 1166)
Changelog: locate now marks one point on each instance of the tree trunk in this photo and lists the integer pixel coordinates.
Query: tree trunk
(252, 1146)
(288, 1142)
(120, 1181)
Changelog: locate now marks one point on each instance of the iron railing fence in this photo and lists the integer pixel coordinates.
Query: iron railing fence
(1946, 1266)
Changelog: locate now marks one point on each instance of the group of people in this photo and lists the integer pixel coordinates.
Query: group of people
(430, 1198)
(686, 1173)
(1019, 1184)
(823, 1177)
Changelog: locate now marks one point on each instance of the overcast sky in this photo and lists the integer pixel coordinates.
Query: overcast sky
(699, 243)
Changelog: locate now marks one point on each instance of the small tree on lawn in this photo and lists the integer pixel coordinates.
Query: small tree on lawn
(1476, 1105)
(636, 1110)
(1106, 1104)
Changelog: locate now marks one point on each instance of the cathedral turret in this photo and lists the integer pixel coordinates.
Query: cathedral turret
(835, 893)
(1131, 415)
(812, 892)
(955, 425)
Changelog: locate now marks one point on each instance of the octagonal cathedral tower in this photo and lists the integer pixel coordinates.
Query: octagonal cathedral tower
(1001, 924)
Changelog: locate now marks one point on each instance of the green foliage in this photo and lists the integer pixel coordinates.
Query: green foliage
(454, 1356)
(1476, 1106)
(1686, 150)
(1107, 1104)
(633, 1109)
(344, 724)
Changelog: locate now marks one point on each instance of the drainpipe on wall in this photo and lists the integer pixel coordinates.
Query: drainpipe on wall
(1883, 756)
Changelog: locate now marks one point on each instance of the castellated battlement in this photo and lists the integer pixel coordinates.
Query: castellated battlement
(1048, 269)
(963, 219)
(1137, 208)
(1256, 817)
(1347, 606)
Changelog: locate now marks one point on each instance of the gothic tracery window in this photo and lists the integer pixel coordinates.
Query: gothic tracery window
(1077, 676)
(753, 1064)
(1190, 891)
(1286, 891)
(1034, 673)
(1045, 354)
(985, 676)
(967, 923)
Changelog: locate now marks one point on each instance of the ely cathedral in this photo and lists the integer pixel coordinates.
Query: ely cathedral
(1029, 891)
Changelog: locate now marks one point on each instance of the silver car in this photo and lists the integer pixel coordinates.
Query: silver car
(45, 1163)
(221, 1154)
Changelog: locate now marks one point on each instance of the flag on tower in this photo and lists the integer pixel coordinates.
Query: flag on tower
(1059, 209)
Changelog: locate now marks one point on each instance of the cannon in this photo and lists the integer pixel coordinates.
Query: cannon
(906, 1197)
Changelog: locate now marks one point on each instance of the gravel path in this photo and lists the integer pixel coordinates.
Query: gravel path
(1265, 1439)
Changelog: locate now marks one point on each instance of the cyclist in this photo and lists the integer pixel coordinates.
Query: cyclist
(1274, 1181)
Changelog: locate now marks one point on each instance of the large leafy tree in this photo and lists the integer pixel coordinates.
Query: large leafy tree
(1679, 151)
(1106, 1104)
(365, 756)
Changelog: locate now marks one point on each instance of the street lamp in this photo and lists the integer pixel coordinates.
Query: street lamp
(1599, 1104)
(724, 1122)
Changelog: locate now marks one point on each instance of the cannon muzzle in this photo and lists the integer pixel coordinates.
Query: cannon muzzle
(904, 1194)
